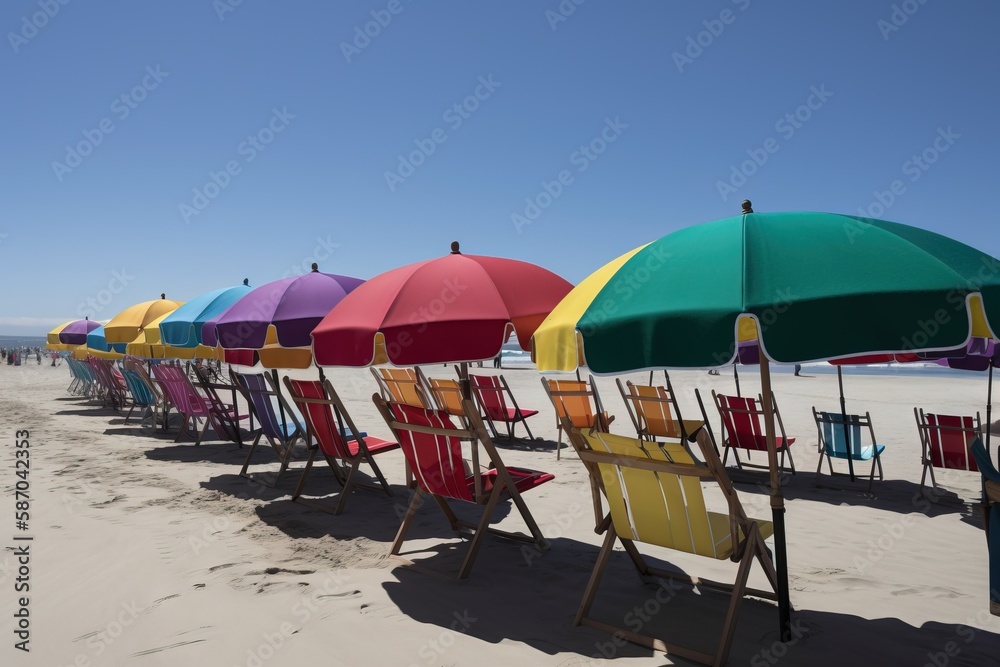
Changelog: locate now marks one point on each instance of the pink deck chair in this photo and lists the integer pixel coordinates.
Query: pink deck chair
(491, 392)
(742, 427)
(433, 448)
(191, 405)
(945, 442)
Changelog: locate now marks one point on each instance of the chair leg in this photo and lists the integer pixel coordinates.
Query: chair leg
(305, 473)
(637, 559)
(246, 463)
(525, 422)
(559, 443)
(595, 576)
(348, 487)
(481, 530)
(739, 589)
(411, 511)
(378, 474)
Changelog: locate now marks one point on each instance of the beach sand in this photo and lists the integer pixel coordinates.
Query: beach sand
(151, 552)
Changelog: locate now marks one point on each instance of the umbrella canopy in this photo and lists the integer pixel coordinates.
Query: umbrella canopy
(52, 339)
(456, 308)
(75, 333)
(292, 306)
(149, 344)
(98, 346)
(126, 325)
(820, 286)
(183, 327)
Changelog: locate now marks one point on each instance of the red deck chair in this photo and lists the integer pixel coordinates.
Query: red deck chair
(743, 430)
(491, 393)
(331, 431)
(114, 389)
(945, 441)
(433, 448)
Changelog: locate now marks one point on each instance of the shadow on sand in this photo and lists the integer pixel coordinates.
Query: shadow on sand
(515, 596)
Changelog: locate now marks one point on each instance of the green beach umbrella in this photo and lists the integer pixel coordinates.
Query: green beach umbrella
(818, 286)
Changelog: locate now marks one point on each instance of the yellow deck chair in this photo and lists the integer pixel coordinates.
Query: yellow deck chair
(652, 409)
(654, 491)
(572, 400)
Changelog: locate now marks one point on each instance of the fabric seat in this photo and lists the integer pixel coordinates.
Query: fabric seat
(572, 400)
(327, 425)
(433, 446)
(945, 442)
(491, 393)
(655, 497)
(833, 445)
(741, 417)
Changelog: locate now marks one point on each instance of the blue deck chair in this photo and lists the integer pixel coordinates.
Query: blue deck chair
(832, 445)
(142, 397)
(991, 518)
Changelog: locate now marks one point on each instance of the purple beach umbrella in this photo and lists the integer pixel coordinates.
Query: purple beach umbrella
(75, 333)
(294, 306)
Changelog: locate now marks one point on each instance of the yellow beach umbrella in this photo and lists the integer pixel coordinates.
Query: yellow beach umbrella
(126, 325)
(149, 345)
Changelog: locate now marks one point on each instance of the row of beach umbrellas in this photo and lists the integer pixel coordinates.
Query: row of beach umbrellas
(792, 287)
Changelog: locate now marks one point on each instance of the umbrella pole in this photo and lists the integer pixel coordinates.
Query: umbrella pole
(989, 407)
(777, 504)
(736, 376)
(843, 416)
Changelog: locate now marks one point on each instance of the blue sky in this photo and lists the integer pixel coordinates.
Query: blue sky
(182, 146)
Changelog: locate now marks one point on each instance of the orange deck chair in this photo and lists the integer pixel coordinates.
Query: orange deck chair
(652, 409)
(572, 400)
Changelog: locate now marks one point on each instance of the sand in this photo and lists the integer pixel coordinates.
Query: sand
(151, 552)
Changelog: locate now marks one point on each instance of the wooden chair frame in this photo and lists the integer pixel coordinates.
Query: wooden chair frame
(664, 402)
(502, 391)
(925, 428)
(755, 414)
(225, 417)
(402, 385)
(746, 539)
(598, 417)
(505, 487)
(340, 417)
(835, 420)
(281, 442)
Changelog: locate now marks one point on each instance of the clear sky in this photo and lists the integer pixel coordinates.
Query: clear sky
(182, 146)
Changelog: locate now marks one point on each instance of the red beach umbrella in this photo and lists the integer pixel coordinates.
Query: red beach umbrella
(453, 309)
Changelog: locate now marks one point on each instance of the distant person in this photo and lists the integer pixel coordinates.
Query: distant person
(498, 361)
(798, 370)
(38, 356)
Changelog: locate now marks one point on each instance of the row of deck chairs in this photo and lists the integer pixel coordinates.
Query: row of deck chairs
(655, 414)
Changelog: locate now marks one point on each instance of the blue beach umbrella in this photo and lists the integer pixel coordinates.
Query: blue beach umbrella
(182, 328)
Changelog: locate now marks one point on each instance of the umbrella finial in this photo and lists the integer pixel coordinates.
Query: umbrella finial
(747, 206)
(315, 267)
(246, 281)
(454, 248)
(163, 295)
